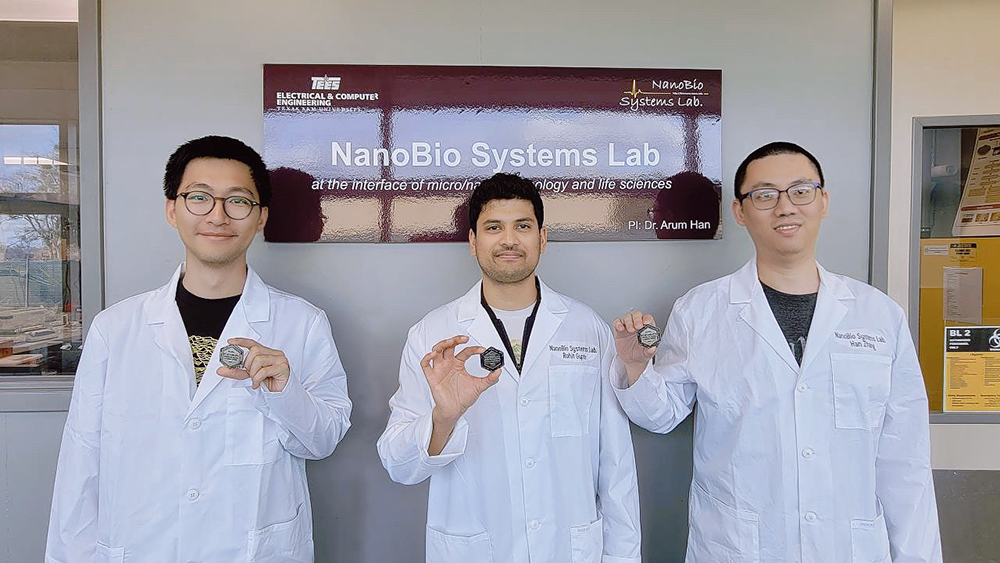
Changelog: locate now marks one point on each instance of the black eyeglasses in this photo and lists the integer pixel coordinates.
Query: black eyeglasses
(236, 207)
(802, 193)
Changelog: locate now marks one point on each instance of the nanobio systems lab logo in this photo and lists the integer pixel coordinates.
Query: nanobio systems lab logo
(664, 94)
(325, 82)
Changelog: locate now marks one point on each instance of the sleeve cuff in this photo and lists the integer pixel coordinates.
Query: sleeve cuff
(284, 404)
(642, 396)
(618, 375)
(454, 448)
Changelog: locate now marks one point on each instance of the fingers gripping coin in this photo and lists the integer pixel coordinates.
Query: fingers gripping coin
(259, 363)
(454, 390)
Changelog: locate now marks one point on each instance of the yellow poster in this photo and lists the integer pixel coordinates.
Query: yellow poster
(972, 369)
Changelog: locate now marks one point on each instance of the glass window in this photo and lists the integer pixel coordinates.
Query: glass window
(40, 316)
(960, 268)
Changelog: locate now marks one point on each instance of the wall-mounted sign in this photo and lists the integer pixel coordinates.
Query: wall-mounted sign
(391, 153)
(972, 368)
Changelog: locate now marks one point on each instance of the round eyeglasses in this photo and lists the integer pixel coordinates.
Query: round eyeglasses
(236, 207)
(767, 198)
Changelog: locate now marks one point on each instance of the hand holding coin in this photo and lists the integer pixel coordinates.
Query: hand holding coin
(260, 363)
(453, 388)
(636, 340)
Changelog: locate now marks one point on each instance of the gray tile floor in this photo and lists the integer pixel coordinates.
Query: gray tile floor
(969, 511)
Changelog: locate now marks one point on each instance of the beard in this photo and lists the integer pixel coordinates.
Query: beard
(513, 273)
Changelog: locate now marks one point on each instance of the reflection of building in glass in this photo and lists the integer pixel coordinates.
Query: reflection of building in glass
(439, 219)
(351, 219)
(580, 216)
(401, 156)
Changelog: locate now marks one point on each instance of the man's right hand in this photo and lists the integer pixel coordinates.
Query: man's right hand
(453, 388)
(633, 355)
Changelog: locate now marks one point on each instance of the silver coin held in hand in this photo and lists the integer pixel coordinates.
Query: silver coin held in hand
(649, 336)
(491, 359)
(231, 356)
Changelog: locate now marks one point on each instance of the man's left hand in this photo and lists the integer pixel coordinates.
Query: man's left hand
(262, 365)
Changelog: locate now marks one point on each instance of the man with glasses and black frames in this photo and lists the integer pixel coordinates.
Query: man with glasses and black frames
(196, 405)
(811, 438)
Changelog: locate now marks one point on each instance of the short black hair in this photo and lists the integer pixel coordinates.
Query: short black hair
(504, 186)
(215, 146)
(772, 149)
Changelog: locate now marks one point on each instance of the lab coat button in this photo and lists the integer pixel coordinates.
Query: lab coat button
(194, 424)
(810, 516)
(524, 402)
(193, 495)
(802, 387)
(535, 524)
(808, 453)
(529, 463)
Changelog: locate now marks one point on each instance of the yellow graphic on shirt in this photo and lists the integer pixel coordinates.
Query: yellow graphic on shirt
(515, 345)
(201, 352)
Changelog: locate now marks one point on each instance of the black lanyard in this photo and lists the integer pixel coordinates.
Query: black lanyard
(530, 322)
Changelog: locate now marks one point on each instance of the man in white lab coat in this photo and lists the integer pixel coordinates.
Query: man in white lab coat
(531, 461)
(811, 436)
(167, 454)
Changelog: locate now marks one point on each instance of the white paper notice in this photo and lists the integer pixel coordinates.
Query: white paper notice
(963, 295)
(979, 212)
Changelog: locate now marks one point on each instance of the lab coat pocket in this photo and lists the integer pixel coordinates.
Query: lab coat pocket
(247, 443)
(450, 548)
(721, 533)
(108, 554)
(869, 540)
(571, 392)
(587, 542)
(860, 389)
(284, 542)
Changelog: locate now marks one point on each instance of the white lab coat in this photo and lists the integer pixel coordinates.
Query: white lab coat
(541, 467)
(829, 462)
(146, 473)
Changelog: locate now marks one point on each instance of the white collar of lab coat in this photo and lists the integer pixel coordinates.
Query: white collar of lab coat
(164, 316)
(745, 283)
(255, 299)
(745, 287)
(469, 304)
(480, 328)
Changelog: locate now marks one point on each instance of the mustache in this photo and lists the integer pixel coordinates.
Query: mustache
(507, 249)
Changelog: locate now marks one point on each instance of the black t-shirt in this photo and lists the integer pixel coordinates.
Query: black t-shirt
(794, 314)
(204, 320)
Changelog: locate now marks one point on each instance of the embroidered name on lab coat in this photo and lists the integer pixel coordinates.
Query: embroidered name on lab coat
(861, 340)
(573, 352)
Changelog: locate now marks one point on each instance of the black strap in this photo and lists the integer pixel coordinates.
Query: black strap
(528, 324)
